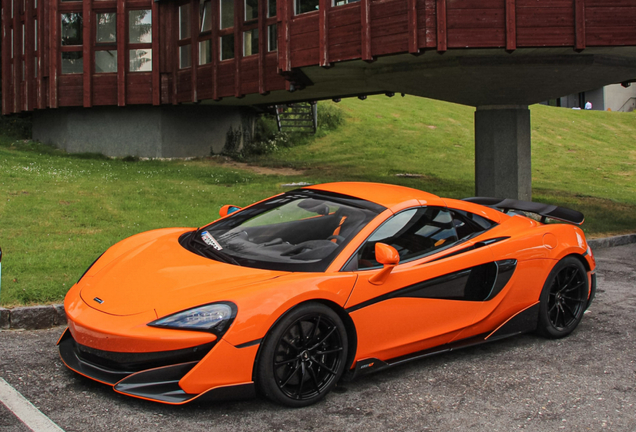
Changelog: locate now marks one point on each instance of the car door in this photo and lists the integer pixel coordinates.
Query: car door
(433, 293)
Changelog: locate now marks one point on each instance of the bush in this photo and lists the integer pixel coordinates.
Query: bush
(269, 139)
(330, 116)
(17, 125)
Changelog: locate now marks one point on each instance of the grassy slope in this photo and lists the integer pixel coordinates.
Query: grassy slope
(582, 159)
(59, 212)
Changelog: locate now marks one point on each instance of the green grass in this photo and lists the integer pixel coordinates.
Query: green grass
(582, 159)
(58, 212)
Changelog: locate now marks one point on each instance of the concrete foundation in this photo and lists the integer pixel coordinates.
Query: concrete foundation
(146, 131)
(502, 152)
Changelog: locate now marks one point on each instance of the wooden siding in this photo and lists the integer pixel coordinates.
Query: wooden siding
(32, 77)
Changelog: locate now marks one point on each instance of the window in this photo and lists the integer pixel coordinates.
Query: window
(413, 233)
(205, 52)
(140, 40)
(185, 46)
(71, 40)
(227, 47)
(343, 2)
(106, 31)
(250, 42)
(303, 6)
(140, 26)
(271, 8)
(72, 33)
(251, 10)
(272, 38)
(205, 15)
(227, 14)
(106, 42)
(468, 224)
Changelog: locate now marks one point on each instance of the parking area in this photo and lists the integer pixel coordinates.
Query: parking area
(584, 382)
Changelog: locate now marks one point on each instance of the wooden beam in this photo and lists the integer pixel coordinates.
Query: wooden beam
(216, 51)
(40, 62)
(176, 55)
(365, 24)
(238, 46)
(194, 38)
(412, 15)
(121, 52)
(262, 44)
(156, 37)
(283, 23)
(54, 57)
(88, 52)
(579, 22)
(511, 25)
(17, 57)
(323, 32)
(6, 54)
(29, 63)
(442, 36)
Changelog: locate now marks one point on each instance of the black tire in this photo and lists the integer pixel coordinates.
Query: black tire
(303, 356)
(563, 299)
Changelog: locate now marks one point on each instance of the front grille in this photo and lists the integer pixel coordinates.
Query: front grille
(134, 362)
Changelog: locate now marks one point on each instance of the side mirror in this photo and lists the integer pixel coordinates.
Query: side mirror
(387, 256)
(228, 209)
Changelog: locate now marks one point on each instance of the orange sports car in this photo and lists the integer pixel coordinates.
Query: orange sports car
(291, 294)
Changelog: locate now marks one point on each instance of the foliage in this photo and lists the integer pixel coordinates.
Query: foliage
(268, 139)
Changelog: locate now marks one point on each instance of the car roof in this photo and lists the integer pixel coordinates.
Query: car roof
(386, 195)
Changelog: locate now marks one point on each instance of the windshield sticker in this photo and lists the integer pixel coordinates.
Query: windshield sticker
(210, 241)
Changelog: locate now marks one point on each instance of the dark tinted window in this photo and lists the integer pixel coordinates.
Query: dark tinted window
(468, 224)
(413, 233)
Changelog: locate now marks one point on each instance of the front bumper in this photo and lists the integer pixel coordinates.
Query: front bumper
(153, 376)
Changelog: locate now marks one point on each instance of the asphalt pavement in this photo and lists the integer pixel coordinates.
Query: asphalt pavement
(586, 382)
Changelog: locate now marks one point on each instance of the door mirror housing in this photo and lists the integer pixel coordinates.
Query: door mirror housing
(228, 209)
(389, 257)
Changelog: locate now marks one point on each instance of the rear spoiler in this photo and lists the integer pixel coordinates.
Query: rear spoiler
(544, 210)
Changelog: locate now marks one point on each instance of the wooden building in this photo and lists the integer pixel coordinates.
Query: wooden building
(93, 71)
(63, 53)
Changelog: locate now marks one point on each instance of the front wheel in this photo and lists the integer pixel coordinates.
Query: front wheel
(303, 356)
(563, 299)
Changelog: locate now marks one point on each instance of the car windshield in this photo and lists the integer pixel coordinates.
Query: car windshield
(301, 230)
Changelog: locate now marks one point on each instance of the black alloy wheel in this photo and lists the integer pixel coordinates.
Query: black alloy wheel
(563, 299)
(303, 356)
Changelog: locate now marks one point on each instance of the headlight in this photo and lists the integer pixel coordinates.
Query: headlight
(215, 318)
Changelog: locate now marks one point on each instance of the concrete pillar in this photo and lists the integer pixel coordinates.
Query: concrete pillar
(146, 131)
(502, 152)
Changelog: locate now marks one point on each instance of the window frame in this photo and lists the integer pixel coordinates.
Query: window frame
(137, 45)
(206, 35)
(71, 8)
(102, 46)
(185, 41)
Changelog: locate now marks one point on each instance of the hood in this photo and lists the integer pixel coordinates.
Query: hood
(160, 275)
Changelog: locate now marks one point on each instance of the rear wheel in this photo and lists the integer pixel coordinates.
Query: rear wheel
(303, 356)
(563, 299)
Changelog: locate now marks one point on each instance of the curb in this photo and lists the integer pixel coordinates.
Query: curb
(42, 317)
(32, 317)
(607, 242)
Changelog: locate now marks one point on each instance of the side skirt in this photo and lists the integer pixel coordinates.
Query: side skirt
(524, 321)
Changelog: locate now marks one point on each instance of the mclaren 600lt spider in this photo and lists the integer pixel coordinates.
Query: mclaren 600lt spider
(289, 295)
